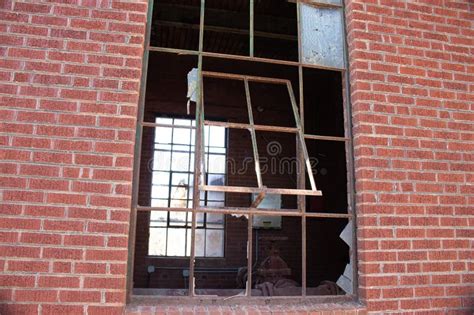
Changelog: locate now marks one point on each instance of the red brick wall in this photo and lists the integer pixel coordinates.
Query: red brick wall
(69, 73)
(412, 100)
(70, 76)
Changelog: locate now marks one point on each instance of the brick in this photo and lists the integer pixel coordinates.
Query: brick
(78, 94)
(68, 33)
(41, 238)
(84, 240)
(45, 43)
(26, 196)
(88, 24)
(62, 253)
(92, 187)
(28, 266)
(50, 157)
(32, 142)
(58, 225)
(73, 119)
(63, 309)
(70, 11)
(58, 282)
(80, 296)
(58, 105)
(19, 308)
(84, 46)
(45, 184)
(20, 251)
(87, 213)
(98, 310)
(116, 228)
(17, 281)
(36, 295)
(104, 282)
(48, 20)
(26, 53)
(39, 170)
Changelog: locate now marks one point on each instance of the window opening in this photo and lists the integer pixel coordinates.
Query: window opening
(266, 242)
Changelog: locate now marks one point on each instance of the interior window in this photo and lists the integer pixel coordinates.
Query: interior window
(172, 182)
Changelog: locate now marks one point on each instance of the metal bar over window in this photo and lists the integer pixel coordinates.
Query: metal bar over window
(251, 127)
(252, 134)
(197, 153)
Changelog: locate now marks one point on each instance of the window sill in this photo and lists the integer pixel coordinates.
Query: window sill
(151, 304)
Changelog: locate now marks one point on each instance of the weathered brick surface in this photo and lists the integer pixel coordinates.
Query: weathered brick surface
(412, 85)
(69, 74)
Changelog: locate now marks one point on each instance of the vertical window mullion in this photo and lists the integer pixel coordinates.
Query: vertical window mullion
(301, 157)
(249, 255)
(197, 166)
(251, 28)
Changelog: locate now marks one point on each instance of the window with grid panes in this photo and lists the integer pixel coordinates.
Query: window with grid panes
(172, 178)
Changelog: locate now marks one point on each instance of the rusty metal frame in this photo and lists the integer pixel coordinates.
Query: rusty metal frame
(137, 156)
(302, 154)
(252, 127)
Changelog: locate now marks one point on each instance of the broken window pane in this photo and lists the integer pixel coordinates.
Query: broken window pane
(271, 105)
(328, 256)
(218, 276)
(175, 26)
(277, 257)
(226, 27)
(167, 86)
(328, 160)
(322, 36)
(323, 106)
(218, 92)
(276, 31)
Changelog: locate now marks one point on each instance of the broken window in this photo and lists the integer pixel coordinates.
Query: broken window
(243, 177)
